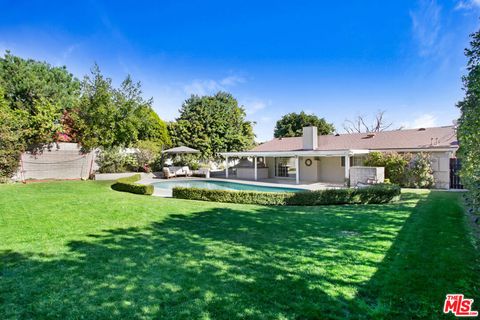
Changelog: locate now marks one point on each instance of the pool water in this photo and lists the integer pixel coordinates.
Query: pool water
(219, 185)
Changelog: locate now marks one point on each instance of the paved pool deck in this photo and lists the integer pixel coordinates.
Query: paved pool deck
(279, 183)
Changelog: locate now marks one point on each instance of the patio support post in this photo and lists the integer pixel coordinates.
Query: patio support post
(297, 171)
(255, 168)
(347, 169)
(226, 167)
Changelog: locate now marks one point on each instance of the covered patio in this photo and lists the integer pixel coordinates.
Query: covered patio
(296, 167)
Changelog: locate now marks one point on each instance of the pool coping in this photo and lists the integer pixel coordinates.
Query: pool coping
(168, 193)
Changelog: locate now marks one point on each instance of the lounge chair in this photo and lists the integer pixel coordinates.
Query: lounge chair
(167, 174)
(186, 171)
(369, 181)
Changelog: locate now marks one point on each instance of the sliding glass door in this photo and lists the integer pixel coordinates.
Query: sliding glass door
(285, 167)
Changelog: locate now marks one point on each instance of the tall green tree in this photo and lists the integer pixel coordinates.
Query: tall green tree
(97, 111)
(469, 123)
(109, 117)
(151, 127)
(212, 124)
(291, 125)
(38, 93)
(11, 138)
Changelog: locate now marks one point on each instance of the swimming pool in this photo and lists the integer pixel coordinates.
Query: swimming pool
(220, 185)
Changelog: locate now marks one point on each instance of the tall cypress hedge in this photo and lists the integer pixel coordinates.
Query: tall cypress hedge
(469, 125)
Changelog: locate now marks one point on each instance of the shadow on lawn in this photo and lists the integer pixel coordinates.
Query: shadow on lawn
(432, 256)
(220, 263)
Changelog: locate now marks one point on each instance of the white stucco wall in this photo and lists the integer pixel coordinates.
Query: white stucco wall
(440, 162)
(331, 170)
(308, 173)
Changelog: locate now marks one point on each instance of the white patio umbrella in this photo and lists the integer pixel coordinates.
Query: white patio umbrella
(180, 150)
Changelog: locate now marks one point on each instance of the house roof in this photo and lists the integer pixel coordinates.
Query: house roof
(424, 138)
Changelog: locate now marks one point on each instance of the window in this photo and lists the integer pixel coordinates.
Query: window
(358, 160)
(354, 161)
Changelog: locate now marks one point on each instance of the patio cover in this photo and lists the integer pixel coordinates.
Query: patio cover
(295, 153)
(180, 150)
(299, 153)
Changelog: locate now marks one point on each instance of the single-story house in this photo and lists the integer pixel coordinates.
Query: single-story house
(328, 158)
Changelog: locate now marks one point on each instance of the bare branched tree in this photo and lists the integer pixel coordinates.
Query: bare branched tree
(360, 124)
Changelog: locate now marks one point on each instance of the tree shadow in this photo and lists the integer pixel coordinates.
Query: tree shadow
(430, 257)
(222, 263)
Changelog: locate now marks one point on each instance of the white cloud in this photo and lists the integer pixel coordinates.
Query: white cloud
(209, 86)
(253, 106)
(232, 81)
(467, 4)
(425, 120)
(426, 26)
(202, 87)
(65, 54)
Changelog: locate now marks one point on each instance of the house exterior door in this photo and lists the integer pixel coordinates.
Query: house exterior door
(455, 166)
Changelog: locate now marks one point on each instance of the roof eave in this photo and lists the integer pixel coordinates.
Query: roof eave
(331, 153)
(315, 153)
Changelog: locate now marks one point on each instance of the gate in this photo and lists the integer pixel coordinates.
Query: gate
(455, 166)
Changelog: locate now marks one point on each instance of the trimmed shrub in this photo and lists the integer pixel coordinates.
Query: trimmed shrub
(419, 172)
(407, 170)
(113, 160)
(380, 193)
(395, 164)
(128, 185)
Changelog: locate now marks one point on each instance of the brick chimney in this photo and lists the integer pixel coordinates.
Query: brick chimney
(310, 138)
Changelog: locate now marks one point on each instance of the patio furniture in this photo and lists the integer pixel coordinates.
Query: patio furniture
(368, 182)
(172, 172)
(372, 180)
(180, 171)
(167, 173)
(186, 170)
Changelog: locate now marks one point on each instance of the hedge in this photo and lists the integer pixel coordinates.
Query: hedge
(128, 185)
(380, 193)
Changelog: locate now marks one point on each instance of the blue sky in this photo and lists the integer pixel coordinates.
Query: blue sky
(336, 59)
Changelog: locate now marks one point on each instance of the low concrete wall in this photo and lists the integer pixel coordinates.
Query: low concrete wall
(363, 174)
(247, 173)
(115, 176)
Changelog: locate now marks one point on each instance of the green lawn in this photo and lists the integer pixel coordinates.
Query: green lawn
(80, 250)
